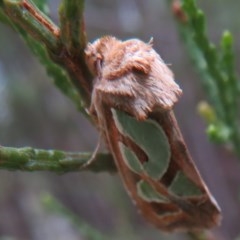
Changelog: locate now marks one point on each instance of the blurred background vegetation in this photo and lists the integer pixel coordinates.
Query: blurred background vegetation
(34, 113)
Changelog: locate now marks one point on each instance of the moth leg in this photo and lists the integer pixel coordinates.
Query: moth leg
(94, 153)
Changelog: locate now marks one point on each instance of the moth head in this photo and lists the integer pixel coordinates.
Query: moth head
(93, 59)
(96, 53)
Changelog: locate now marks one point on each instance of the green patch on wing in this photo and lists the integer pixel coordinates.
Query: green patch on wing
(148, 193)
(131, 159)
(183, 186)
(149, 136)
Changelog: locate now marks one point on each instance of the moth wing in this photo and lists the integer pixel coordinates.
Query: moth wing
(161, 177)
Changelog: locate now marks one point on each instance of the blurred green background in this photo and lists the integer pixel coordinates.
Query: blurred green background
(34, 113)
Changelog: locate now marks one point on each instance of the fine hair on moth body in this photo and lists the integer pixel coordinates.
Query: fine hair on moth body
(132, 99)
(136, 66)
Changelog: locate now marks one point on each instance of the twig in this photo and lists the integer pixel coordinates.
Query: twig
(28, 19)
(54, 206)
(30, 159)
(72, 26)
(26, 15)
(217, 69)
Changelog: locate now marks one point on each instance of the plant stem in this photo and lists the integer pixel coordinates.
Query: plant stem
(216, 66)
(54, 206)
(29, 17)
(30, 21)
(30, 159)
(72, 26)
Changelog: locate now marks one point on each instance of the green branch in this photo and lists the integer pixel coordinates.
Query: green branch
(53, 205)
(72, 26)
(43, 37)
(73, 37)
(29, 159)
(35, 22)
(216, 66)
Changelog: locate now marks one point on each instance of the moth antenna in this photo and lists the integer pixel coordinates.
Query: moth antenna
(150, 42)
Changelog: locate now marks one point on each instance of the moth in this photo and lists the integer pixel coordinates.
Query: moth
(132, 100)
